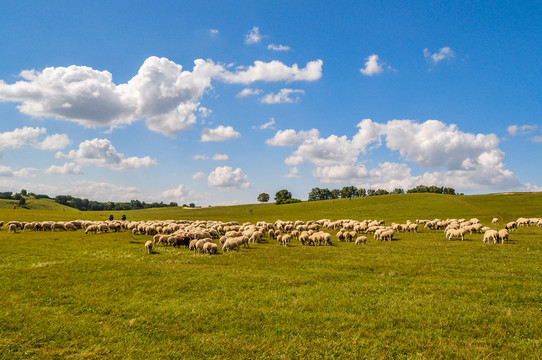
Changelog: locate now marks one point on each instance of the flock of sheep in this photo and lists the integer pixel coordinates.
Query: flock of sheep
(200, 236)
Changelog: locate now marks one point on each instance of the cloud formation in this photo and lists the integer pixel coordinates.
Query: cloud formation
(100, 152)
(275, 47)
(220, 133)
(181, 194)
(444, 53)
(372, 67)
(162, 93)
(225, 178)
(521, 129)
(253, 36)
(290, 137)
(283, 96)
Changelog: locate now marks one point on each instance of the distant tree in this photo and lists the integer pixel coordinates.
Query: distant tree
(22, 201)
(263, 197)
(381, 192)
(335, 193)
(282, 195)
(23, 192)
(398, 191)
(17, 196)
(349, 192)
(362, 192)
(173, 204)
(192, 205)
(371, 192)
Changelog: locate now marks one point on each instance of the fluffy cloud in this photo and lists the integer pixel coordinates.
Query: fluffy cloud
(67, 168)
(521, 129)
(200, 157)
(454, 158)
(372, 67)
(100, 152)
(31, 136)
(213, 32)
(290, 137)
(444, 53)
(162, 93)
(181, 194)
(537, 139)
(283, 96)
(198, 176)
(293, 173)
(6, 171)
(275, 47)
(273, 71)
(220, 133)
(225, 178)
(253, 36)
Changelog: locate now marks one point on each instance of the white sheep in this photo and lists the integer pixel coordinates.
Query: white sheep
(361, 240)
(148, 246)
(503, 235)
(491, 235)
(12, 228)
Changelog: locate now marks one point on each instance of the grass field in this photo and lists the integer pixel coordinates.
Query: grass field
(71, 295)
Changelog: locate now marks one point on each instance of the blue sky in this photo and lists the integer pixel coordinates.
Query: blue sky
(214, 102)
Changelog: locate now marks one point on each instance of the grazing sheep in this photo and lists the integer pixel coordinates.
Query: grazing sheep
(361, 240)
(491, 235)
(503, 235)
(495, 221)
(210, 248)
(91, 228)
(12, 228)
(148, 246)
(511, 226)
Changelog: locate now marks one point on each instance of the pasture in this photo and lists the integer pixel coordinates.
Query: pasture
(71, 295)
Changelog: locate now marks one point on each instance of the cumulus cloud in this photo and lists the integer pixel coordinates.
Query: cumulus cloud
(293, 173)
(198, 176)
(100, 152)
(31, 136)
(253, 36)
(275, 47)
(290, 137)
(273, 71)
(444, 53)
(225, 178)
(521, 129)
(249, 92)
(220, 133)
(372, 67)
(220, 157)
(449, 156)
(6, 171)
(181, 194)
(283, 96)
(537, 139)
(200, 157)
(161, 93)
(67, 168)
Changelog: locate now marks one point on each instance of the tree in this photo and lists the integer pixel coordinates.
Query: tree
(22, 201)
(192, 205)
(349, 192)
(397, 191)
(23, 192)
(282, 195)
(263, 197)
(335, 193)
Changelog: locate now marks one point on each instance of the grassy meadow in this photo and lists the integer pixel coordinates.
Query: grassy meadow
(76, 296)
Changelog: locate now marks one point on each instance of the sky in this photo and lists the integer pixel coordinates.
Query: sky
(214, 102)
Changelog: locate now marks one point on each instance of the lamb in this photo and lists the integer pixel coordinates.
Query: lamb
(148, 246)
(361, 240)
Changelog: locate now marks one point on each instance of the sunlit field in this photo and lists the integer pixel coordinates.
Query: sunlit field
(71, 295)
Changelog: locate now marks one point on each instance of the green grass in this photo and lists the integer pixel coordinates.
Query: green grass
(71, 295)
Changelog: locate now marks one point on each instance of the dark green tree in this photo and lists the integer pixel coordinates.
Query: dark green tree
(263, 197)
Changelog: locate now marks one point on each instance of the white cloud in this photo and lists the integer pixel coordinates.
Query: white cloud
(521, 129)
(293, 173)
(67, 168)
(220, 157)
(283, 96)
(25, 172)
(213, 32)
(253, 36)
(220, 133)
(249, 92)
(268, 125)
(100, 152)
(290, 137)
(537, 139)
(461, 160)
(198, 176)
(54, 142)
(161, 93)
(444, 53)
(204, 112)
(275, 47)
(6, 171)
(274, 71)
(372, 67)
(225, 178)
(181, 194)
(200, 157)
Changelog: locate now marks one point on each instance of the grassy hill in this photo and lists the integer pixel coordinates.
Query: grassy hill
(71, 295)
(398, 208)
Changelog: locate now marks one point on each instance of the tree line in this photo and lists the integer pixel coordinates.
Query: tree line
(285, 197)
